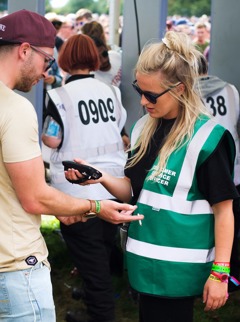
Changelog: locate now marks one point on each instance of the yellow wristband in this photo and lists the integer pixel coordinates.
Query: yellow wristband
(214, 278)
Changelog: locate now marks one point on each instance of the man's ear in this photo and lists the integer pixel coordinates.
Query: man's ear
(24, 49)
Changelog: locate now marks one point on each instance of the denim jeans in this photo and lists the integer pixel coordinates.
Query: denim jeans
(26, 295)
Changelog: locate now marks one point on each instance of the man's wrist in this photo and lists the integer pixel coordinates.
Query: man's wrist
(95, 208)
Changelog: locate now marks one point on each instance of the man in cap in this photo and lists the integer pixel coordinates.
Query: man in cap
(26, 49)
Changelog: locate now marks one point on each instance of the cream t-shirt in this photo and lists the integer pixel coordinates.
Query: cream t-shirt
(21, 242)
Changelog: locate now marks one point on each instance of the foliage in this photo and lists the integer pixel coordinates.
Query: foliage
(97, 6)
(49, 223)
(188, 8)
(3, 5)
(48, 6)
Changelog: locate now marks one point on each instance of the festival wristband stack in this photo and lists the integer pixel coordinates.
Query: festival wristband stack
(221, 273)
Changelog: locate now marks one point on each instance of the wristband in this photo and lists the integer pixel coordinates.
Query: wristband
(214, 278)
(222, 277)
(234, 280)
(220, 269)
(95, 208)
(227, 264)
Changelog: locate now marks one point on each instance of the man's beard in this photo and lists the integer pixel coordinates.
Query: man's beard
(27, 78)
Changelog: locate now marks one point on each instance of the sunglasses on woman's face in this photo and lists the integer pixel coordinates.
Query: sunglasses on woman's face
(152, 98)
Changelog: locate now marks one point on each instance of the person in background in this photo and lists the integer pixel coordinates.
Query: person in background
(110, 69)
(169, 25)
(111, 60)
(201, 39)
(56, 20)
(222, 101)
(90, 116)
(94, 29)
(83, 15)
(52, 79)
(183, 25)
(66, 30)
(182, 248)
(26, 289)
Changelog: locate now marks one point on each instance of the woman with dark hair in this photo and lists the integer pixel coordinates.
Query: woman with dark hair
(110, 60)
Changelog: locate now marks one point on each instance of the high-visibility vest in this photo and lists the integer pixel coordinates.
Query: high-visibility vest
(171, 253)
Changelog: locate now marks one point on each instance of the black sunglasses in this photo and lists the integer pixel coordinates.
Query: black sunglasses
(152, 98)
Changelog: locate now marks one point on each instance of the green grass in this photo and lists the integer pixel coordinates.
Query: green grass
(126, 307)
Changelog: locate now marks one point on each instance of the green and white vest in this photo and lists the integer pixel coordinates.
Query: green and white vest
(171, 253)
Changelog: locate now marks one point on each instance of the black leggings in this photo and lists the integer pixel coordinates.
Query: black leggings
(157, 309)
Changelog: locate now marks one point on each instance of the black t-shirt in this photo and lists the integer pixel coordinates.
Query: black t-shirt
(214, 176)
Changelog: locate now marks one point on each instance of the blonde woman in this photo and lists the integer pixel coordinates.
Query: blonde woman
(180, 173)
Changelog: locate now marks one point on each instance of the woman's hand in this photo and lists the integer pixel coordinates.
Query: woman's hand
(73, 174)
(215, 295)
(120, 188)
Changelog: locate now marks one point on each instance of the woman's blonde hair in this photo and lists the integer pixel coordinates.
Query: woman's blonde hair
(176, 59)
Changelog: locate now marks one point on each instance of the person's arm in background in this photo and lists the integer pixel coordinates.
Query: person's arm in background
(238, 121)
(52, 134)
(53, 76)
(125, 138)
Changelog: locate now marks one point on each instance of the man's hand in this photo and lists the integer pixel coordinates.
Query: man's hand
(69, 220)
(111, 211)
(117, 213)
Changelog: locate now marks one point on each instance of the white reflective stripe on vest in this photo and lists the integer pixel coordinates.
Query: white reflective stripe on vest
(184, 255)
(176, 204)
(189, 164)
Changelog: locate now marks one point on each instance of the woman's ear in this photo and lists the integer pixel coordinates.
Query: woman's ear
(180, 89)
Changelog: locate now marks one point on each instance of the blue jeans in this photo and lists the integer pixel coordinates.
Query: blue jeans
(26, 295)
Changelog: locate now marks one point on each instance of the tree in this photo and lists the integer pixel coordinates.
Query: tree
(97, 6)
(189, 8)
(48, 6)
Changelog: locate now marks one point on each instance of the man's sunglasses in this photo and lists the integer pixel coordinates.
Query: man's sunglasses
(48, 59)
(152, 98)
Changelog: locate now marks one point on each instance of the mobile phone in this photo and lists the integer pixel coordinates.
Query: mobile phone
(88, 172)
